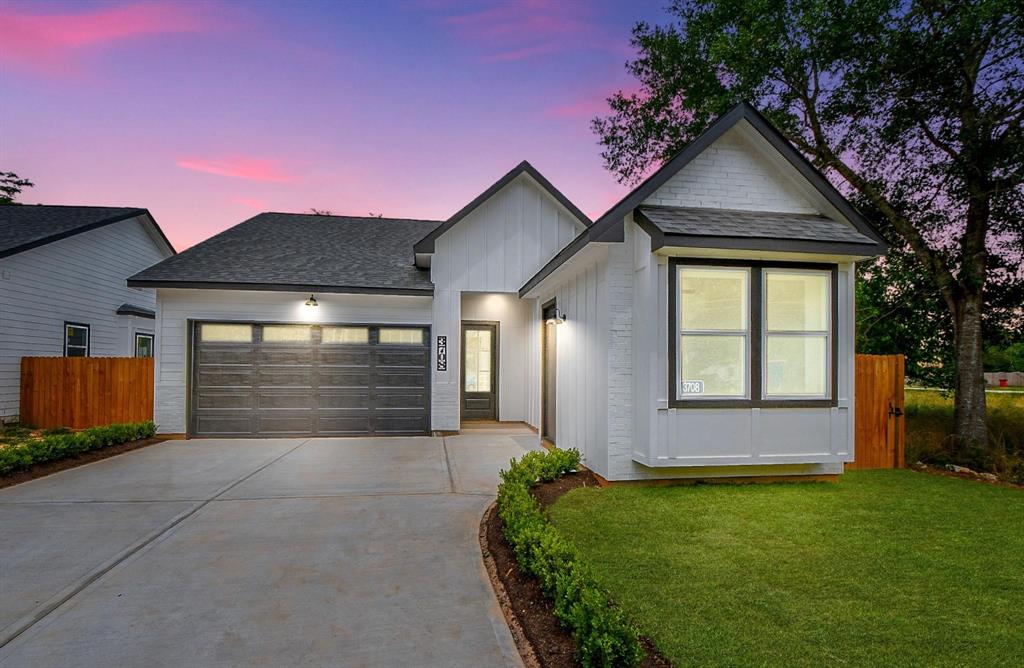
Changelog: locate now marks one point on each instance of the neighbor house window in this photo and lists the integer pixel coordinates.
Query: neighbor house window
(143, 345)
(76, 340)
(752, 334)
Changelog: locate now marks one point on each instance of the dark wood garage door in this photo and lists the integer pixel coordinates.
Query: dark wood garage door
(309, 380)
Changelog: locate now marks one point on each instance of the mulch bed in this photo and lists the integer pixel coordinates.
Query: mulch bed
(46, 468)
(541, 640)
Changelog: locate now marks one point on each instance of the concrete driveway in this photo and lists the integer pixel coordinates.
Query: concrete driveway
(354, 552)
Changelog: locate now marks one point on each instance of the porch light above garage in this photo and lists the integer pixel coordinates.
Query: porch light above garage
(312, 301)
(556, 318)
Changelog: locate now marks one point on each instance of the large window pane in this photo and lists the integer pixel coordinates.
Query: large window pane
(225, 333)
(478, 360)
(797, 301)
(718, 363)
(796, 365)
(713, 298)
(287, 333)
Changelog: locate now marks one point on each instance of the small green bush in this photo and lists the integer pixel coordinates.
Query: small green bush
(603, 635)
(53, 446)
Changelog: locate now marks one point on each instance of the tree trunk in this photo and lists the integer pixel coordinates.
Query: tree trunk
(969, 403)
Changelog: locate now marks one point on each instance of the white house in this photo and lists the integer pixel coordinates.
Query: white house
(63, 288)
(703, 327)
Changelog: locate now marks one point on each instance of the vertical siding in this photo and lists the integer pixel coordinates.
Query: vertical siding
(80, 279)
(176, 307)
(581, 395)
(495, 249)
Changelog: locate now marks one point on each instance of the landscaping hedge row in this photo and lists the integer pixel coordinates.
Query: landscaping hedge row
(603, 635)
(49, 447)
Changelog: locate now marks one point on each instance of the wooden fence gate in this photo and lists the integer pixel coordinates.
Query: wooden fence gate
(879, 405)
(80, 392)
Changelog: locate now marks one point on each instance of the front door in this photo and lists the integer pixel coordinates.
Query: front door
(479, 371)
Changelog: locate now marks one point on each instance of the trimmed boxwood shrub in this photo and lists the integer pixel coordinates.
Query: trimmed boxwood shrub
(604, 637)
(53, 446)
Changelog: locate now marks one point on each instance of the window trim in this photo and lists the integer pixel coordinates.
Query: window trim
(152, 343)
(88, 337)
(757, 338)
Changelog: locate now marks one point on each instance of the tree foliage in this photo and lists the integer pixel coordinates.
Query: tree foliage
(11, 186)
(912, 108)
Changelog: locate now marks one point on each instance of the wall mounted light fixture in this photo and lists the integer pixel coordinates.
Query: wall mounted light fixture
(312, 301)
(557, 318)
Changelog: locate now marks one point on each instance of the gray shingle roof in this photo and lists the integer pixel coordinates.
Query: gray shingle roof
(692, 221)
(301, 252)
(26, 226)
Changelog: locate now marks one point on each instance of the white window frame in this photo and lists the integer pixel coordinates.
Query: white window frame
(827, 332)
(680, 334)
(88, 338)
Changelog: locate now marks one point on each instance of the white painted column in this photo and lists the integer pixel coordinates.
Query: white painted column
(444, 394)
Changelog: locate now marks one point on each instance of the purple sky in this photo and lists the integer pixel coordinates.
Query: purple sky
(208, 113)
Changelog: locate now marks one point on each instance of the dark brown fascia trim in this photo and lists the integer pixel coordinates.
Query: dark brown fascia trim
(554, 263)
(426, 244)
(78, 230)
(279, 287)
(756, 318)
(160, 232)
(138, 311)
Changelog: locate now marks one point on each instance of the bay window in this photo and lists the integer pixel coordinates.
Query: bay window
(751, 334)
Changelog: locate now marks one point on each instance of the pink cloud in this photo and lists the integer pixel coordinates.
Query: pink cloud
(239, 167)
(52, 43)
(586, 106)
(517, 31)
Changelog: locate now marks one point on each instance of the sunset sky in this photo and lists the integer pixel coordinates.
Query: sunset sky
(206, 113)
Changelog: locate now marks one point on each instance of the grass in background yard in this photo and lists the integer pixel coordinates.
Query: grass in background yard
(930, 422)
(881, 568)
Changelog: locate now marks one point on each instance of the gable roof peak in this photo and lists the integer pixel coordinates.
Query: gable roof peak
(425, 245)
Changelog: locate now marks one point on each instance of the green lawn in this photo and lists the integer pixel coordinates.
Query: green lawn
(881, 568)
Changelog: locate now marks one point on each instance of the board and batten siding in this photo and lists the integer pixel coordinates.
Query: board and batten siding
(175, 307)
(583, 417)
(495, 249)
(82, 278)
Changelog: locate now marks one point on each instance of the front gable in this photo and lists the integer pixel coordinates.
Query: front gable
(504, 238)
(735, 173)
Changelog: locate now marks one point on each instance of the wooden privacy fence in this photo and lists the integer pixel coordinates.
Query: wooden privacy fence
(79, 392)
(879, 430)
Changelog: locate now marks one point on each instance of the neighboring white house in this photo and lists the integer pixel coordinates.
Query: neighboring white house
(63, 288)
(703, 327)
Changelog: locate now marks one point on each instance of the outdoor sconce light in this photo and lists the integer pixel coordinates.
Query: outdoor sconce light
(557, 318)
(312, 301)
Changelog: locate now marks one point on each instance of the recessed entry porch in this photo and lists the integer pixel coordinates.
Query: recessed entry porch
(498, 356)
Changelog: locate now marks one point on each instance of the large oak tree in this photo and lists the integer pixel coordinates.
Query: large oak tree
(912, 107)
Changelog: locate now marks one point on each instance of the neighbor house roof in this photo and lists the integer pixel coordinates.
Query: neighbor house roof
(609, 227)
(26, 226)
(426, 244)
(698, 226)
(301, 252)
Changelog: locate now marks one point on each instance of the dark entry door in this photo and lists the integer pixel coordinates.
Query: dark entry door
(479, 371)
(252, 379)
(549, 384)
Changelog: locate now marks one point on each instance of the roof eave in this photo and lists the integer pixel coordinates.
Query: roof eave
(278, 287)
(81, 230)
(766, 244)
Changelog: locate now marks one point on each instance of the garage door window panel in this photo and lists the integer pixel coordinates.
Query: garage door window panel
(225, 333)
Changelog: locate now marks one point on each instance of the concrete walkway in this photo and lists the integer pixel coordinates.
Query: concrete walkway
(351, 552)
